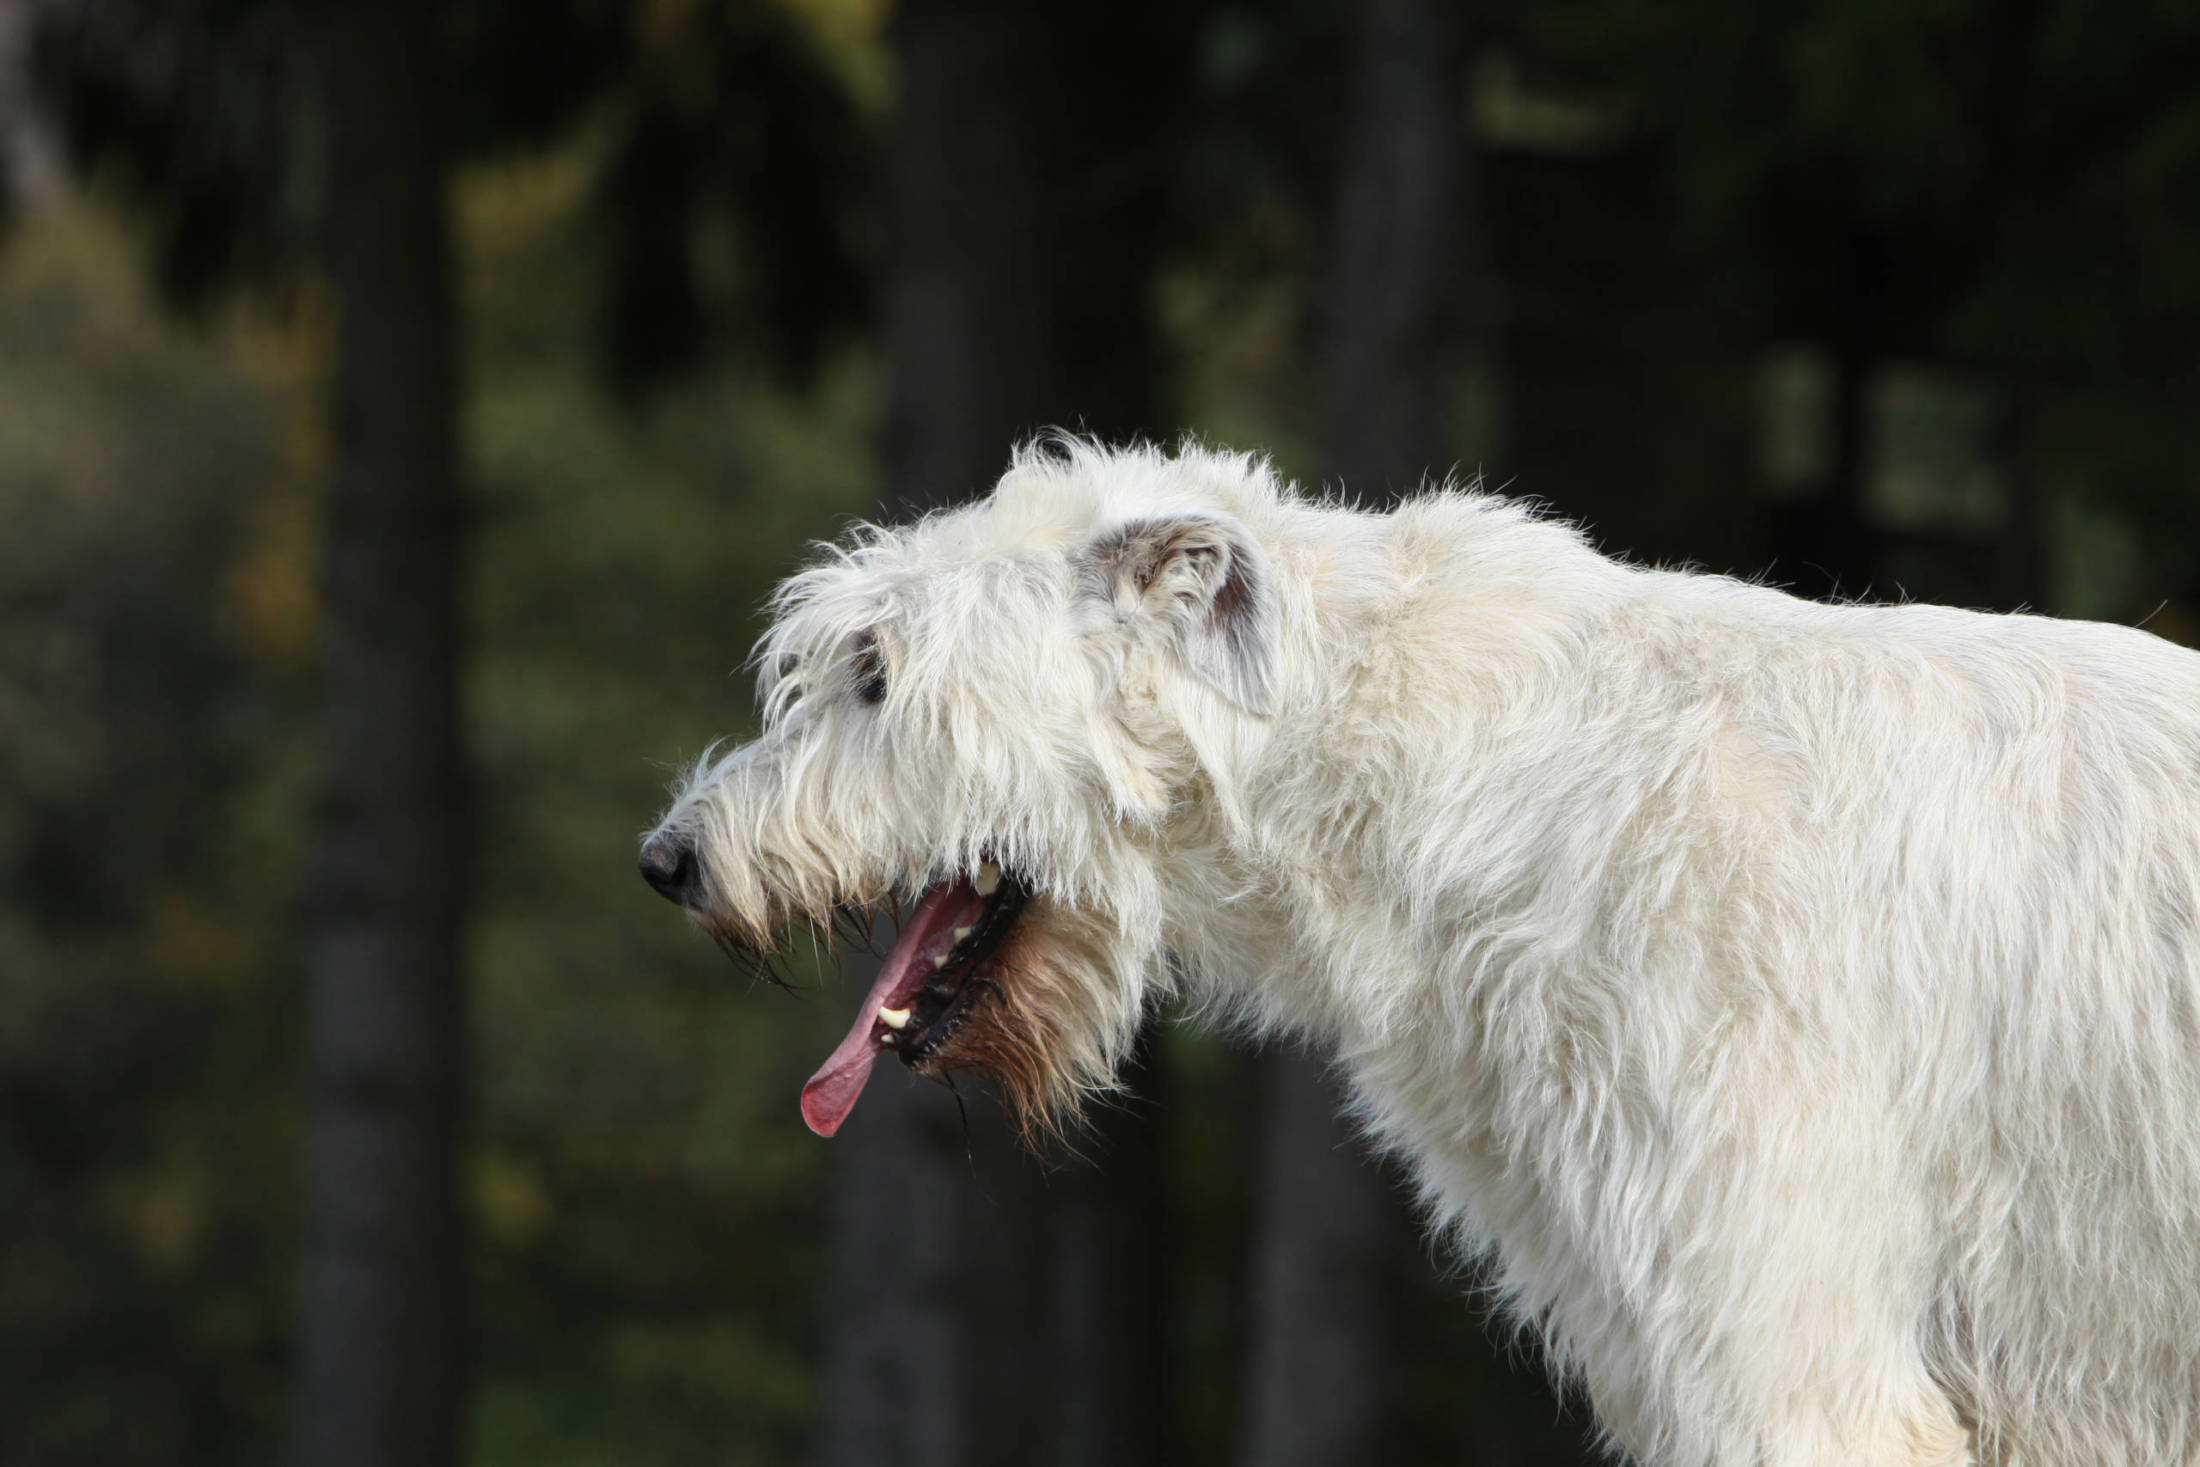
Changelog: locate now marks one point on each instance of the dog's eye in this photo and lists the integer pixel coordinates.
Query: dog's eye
(868, 667)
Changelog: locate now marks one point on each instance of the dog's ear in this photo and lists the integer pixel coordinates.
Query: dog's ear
(1204, 576)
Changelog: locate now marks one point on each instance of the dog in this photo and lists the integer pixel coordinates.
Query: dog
(1799, 1004)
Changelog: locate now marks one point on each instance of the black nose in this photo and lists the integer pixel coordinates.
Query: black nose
(671, 867)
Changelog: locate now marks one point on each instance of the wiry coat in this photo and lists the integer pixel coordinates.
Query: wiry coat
(1802, 1003)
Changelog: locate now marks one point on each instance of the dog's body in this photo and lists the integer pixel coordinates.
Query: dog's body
(1802, 1003)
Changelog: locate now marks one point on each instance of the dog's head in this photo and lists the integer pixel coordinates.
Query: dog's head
(1015, 722)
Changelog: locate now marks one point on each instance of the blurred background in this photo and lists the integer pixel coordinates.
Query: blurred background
(404, 407)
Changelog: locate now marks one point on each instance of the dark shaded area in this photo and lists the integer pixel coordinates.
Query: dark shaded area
(404, 409)
(380, 1344)
(1026, 1334)
(1332, 1260)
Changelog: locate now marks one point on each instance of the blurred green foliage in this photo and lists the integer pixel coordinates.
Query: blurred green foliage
(648, 1219)
(150, 738)
(634, 1098)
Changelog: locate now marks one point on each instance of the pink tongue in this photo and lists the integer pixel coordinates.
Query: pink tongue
(832, 1092)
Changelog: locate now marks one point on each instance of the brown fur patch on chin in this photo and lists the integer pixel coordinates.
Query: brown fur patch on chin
(1037, 1029)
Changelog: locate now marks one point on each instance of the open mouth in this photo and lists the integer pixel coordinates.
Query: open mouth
(925, 991)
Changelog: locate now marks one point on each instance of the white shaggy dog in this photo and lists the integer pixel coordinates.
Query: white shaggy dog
(1801, 1003)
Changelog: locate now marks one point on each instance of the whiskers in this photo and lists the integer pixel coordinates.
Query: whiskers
(756, 964)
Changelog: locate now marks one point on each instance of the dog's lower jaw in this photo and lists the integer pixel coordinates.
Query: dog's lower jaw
(1055, 1016)
(924, 991)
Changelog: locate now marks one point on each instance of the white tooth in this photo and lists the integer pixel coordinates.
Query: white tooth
(962, 932)
(894, 1018)
(939, 960)
(988, 880)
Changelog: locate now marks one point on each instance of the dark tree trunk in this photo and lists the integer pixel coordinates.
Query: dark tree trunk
(1334, 1236)
(1825, 546)
(960, 1277)
(1111, 1349)
(1327, 1274)
(1399, 265)
(933, 1301)
(936, 1266)
(968, 285)
(381, 1329)
(1021, 249)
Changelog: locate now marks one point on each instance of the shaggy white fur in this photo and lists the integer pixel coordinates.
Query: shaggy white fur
(1800, 1002)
